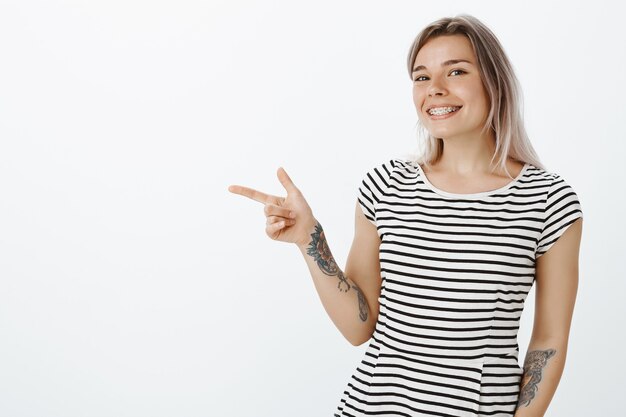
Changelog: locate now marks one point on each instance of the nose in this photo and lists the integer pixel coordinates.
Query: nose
(435, 88)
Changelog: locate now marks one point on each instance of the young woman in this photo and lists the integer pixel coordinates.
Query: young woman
(448, 246)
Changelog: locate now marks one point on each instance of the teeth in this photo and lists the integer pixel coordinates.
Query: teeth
(442, 110)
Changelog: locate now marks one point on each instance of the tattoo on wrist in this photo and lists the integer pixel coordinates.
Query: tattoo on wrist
(534, 365)
(319, 250)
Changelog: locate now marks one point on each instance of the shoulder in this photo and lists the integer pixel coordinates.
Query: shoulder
(544, 174)
(554, 183)
(561, 208)
(540, 173)
(549, 182)
(387, 174)
(392, 166)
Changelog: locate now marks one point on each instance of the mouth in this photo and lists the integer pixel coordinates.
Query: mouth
(443, 112)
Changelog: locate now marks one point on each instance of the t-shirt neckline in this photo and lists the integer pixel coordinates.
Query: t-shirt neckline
(472, 195)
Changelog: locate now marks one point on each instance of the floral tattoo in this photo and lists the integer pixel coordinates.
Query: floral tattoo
(319, 250)
(534, 364)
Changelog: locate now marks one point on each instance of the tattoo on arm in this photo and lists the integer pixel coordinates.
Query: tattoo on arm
(319, 250)
(362, 303)
(534, 364)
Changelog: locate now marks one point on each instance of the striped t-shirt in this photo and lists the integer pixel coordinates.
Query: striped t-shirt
(456, 270)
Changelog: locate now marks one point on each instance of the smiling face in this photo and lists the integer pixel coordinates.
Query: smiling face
(440, 81)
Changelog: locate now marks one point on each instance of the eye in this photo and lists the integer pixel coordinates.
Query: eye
(454, 70)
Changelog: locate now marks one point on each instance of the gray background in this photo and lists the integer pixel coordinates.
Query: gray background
(132, 283)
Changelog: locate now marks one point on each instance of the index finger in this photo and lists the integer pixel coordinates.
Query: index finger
(253, 194)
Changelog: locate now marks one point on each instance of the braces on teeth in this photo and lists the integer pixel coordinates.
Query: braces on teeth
(443, 110)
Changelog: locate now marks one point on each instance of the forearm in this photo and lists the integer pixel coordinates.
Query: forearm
(342, 299)
(543, 367)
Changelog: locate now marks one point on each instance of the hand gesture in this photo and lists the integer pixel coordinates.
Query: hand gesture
(289, 219)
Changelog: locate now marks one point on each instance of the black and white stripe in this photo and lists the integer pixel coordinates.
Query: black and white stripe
(456, 270)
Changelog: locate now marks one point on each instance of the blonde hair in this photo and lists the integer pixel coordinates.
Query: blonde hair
(502, 87)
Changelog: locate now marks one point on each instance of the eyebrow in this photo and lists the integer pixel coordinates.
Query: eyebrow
(446, 63)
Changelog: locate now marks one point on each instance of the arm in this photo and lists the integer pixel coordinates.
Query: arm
(350, 298)
(556, 279)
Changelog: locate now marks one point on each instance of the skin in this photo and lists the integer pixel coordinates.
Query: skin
(464, 166)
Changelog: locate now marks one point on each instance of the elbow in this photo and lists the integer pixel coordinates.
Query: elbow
(360, 339)
(559, 338)
(360, 342)
(357, 342)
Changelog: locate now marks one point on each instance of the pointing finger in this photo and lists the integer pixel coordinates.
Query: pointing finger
(253, 194)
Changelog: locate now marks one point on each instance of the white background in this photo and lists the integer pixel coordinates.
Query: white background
(132, 283)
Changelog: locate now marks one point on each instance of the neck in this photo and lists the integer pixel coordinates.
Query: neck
(466, 156)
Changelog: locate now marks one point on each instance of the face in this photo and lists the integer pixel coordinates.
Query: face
(456, 84)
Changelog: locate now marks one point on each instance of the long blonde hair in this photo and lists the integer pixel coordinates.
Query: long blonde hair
(502, 86)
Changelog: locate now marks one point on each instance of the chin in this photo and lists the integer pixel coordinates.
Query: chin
(442, 133)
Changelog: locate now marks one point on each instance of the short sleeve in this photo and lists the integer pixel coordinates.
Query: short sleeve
(561, 210)
(373, 187)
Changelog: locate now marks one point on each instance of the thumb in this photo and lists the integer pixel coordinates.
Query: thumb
(286, 181)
